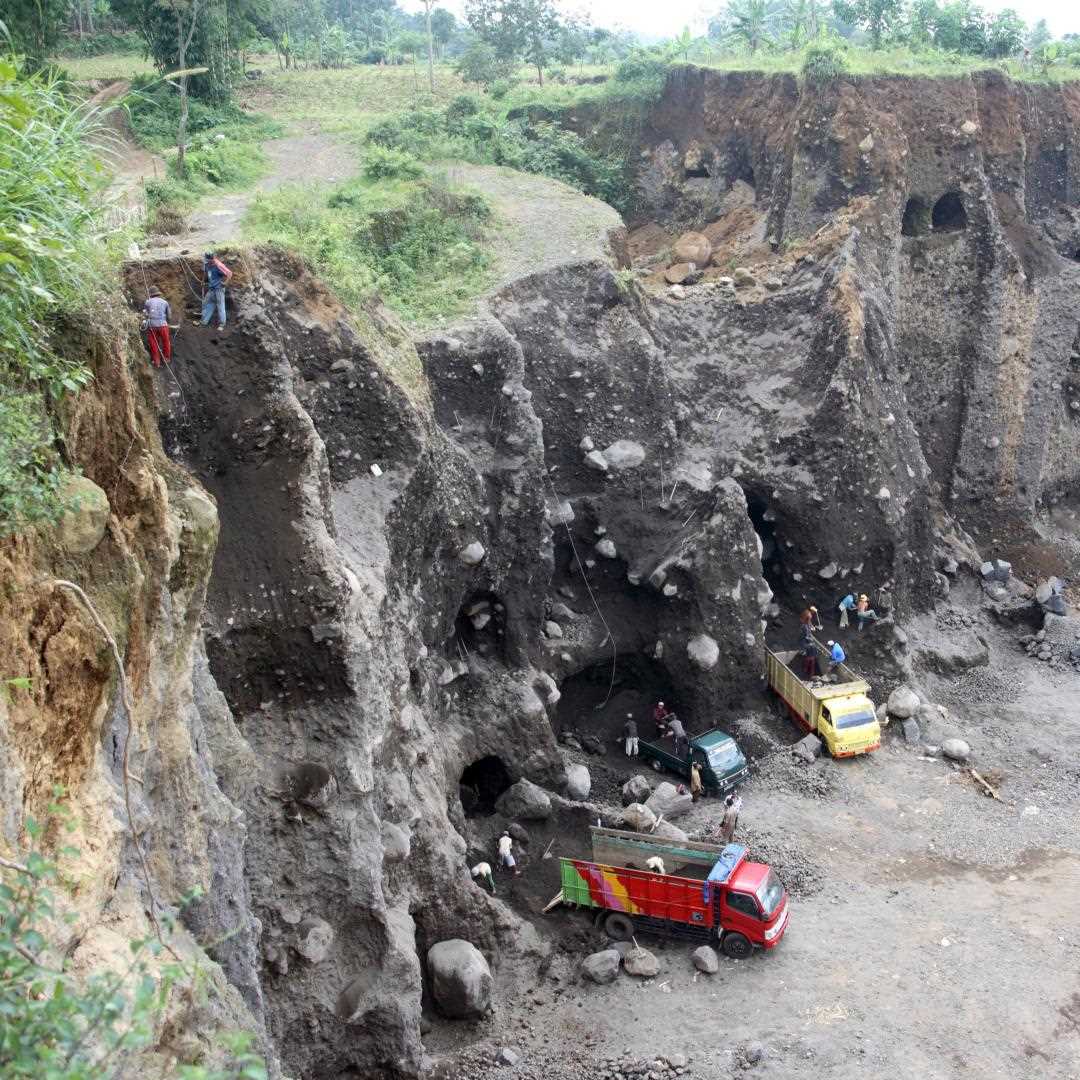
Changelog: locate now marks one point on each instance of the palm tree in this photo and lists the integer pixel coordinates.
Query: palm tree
(752, 22)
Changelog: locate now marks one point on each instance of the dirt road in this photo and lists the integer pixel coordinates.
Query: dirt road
(294, 159)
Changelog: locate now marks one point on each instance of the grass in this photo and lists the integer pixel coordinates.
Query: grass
(106, 68)
(415, 241)
(894, 61)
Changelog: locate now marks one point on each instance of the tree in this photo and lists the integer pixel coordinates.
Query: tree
(961, 27)
(481, 64)
(752, 22)
(801, 21)
(443, 29)
(35, 27)
(428, 5)
(1040, 35)
(1005, 34)
(186, 13)
(876, 17)
(922, 22)
(524, 28)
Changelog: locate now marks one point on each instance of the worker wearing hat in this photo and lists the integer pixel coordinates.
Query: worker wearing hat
(157, 313)
(811, 618)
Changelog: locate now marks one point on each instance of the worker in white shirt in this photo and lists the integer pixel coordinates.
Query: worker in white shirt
(482, 872)
(655, 864)
(506, 854)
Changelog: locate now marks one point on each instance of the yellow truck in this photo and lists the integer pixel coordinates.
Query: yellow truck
(839, 712)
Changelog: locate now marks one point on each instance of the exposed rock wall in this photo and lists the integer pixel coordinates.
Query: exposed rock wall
(973, 319)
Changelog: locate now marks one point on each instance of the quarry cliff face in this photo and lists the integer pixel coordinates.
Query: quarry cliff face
(352, 589)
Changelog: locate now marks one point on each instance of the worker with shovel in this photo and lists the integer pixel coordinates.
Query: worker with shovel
(217, 275)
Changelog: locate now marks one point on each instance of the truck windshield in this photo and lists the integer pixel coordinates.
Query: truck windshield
(855, 719)
(770, 893)
(723, 756)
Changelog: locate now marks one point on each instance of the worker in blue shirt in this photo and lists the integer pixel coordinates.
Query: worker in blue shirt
(847, 606)
(836, 655)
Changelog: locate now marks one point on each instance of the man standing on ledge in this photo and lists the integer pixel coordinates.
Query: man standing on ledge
(216, 275)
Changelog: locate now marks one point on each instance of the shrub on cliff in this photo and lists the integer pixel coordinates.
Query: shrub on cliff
(824, 62)
(57, 1026)
(47, 184)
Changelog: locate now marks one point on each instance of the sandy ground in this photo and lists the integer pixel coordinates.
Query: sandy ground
(935, 933)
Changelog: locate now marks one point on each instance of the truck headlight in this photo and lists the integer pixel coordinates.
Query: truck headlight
(777, 926)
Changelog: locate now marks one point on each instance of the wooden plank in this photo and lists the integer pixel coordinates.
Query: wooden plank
(554, 902)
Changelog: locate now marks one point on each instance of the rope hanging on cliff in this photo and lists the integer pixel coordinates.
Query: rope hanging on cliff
(129, 709)
(592, 597)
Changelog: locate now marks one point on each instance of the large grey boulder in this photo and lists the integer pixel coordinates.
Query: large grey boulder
(601, 967)
(314, 936)
(903, 702)
(638, 818)
(641, 962)
(578, 782)
(703, 651)
(460, 979)
(524, 800)
(956, 749)
(706, 960)
(664, 830)
(624, 454)
(82, 526)
(808, 748)
(472, 554)
(667, 801)
(636, 790)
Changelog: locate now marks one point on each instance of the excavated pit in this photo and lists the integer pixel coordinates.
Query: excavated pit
(830, 423)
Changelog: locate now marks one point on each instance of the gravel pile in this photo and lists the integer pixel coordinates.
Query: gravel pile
(988, 686)
(568, 1063)
(782, 771)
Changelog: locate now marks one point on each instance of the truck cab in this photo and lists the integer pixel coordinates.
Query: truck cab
(751, 905)
(849, 725)
(723, 766)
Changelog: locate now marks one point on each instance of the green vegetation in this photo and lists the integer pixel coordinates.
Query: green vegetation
(47, 262)
(224, 153)
(417, 242)
(823, 62)
(61, 1028)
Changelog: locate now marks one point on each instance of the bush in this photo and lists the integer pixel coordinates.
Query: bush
(221, 163)
(482, 65)
(824, 63)
(57, 1027)
(381, 163)
(642, 66)
(500, 88)
(47, 229)
(417, 243)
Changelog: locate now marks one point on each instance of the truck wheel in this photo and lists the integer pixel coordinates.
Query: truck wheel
(736, 946)
(620, 927)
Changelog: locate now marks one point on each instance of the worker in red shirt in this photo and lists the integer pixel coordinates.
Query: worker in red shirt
(660, 714)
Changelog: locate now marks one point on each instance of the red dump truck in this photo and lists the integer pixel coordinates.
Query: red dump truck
(742, 905)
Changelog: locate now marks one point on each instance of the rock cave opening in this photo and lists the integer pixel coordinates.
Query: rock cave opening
(596, 701)
(916, 220)
(949, 214)
(481, 784)
(479, 626)
(764, 520)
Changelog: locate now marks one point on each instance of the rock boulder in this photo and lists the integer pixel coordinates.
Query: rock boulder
(601, 967)
(667, 801)
(692, 247)
(903, 702)
(524, 800)
(460, 979)
(578, 782)
(706, 960)
(636, 790)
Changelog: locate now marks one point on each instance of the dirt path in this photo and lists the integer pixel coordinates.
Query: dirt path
(541, 223)
(296, 158)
